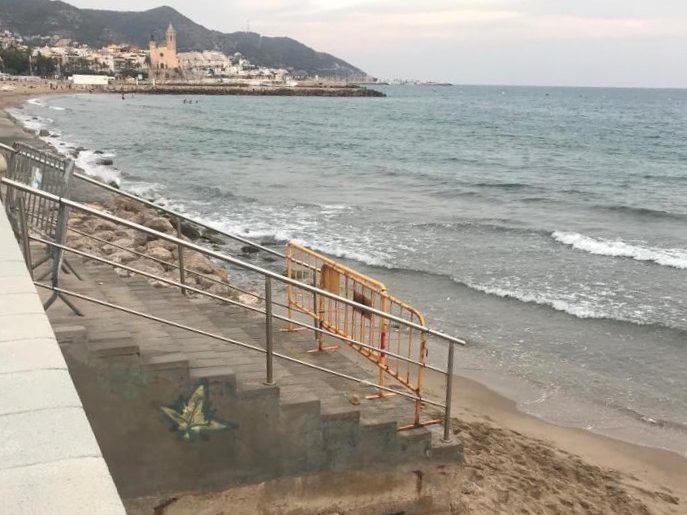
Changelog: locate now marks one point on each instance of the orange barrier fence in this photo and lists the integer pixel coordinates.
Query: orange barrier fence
(370, 334)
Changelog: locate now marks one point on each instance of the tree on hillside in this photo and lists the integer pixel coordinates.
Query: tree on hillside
(16, 62)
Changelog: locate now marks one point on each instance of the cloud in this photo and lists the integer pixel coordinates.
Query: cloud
(506, 41)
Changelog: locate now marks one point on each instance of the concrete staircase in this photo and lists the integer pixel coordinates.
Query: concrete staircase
(127, 367)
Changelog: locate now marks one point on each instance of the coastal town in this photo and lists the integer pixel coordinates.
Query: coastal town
(52, 57)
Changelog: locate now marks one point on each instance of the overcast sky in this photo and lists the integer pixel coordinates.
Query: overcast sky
(543, 42)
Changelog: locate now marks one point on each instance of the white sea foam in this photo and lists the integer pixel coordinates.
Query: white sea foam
(87, 160)
(579, 309)
(676, 258)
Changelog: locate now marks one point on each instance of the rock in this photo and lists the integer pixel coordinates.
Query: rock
(3, 165)
(105, 235)
(105, 161)
(190, 231)
(102, 225)
(113, 184)
(213, 237)
(43, 133)
(167, 245)
(160, 224)
(160, 253)
(124, 233)
(127, 204)
(123, 257)
(249, 249)
(249, 300)
(140, 239)
(268, 258)
(198, 263)
(99, 152)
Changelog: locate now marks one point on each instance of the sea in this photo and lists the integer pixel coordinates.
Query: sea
(545, 226)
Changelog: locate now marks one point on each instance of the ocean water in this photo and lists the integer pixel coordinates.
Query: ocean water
(547, 226)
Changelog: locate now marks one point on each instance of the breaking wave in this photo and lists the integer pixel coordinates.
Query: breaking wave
(676, 258)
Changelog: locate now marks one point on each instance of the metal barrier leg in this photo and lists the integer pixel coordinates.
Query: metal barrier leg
(317, 308)
(269, 334)
(70, 269)
(57, 260)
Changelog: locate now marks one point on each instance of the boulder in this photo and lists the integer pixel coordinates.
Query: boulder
(104, 161)
(167, 245)
(213, 237)
(249, 300)
(105, 235)
(123, 257)
(127, 204)
(190, 230)
(198, 263)
(160, 253)
(97, 224)
(249, 249)
(43, 133)
(160, 224)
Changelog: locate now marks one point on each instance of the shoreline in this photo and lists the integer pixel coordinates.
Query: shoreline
(476, 403)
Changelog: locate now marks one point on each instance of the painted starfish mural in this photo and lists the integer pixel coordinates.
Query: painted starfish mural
(194, 418)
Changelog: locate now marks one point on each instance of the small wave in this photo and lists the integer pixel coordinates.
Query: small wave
(578, 310)
(35, 102)
(347, 252)
(645, 212)
(502, 185)
(57, 108)
(676, 258)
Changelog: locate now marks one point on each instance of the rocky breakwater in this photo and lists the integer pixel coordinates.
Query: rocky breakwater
(283, 91)
(103, 238)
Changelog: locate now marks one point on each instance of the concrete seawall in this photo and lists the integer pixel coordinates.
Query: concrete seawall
(50, 461)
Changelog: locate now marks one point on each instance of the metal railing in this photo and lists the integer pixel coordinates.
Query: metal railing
(65, 206)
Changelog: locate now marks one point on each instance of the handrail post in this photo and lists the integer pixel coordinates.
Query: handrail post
(180, 250)
(25, 236)
(449, 392)
(268, 331)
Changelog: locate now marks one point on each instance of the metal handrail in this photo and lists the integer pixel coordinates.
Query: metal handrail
(199, 291)
(232, 260)
(235, 342)
(64, 205)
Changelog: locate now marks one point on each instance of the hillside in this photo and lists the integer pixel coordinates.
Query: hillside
(99, 27)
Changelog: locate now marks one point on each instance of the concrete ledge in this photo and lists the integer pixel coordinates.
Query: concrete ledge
(50, 461)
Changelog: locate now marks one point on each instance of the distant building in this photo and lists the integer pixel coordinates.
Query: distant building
(164, 57)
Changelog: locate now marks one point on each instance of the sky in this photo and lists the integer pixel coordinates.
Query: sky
(624, 43)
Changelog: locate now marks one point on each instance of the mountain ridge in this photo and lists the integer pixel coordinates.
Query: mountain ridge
(96, 27)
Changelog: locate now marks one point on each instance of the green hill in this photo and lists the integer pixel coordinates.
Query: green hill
(99, 27)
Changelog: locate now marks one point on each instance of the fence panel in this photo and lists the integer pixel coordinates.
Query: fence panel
(374, 336)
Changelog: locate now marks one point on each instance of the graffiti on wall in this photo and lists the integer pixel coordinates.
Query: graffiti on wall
(192, 418)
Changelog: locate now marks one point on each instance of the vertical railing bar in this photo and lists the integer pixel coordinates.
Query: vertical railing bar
(26, 244)
(449, 392)
(269, 334)
(180, 250)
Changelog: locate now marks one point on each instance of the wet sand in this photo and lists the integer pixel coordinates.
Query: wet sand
(514, 463)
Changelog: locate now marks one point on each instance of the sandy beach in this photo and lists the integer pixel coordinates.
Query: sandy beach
(514, 463)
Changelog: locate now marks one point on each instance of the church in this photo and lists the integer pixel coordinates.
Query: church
(164, 57)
